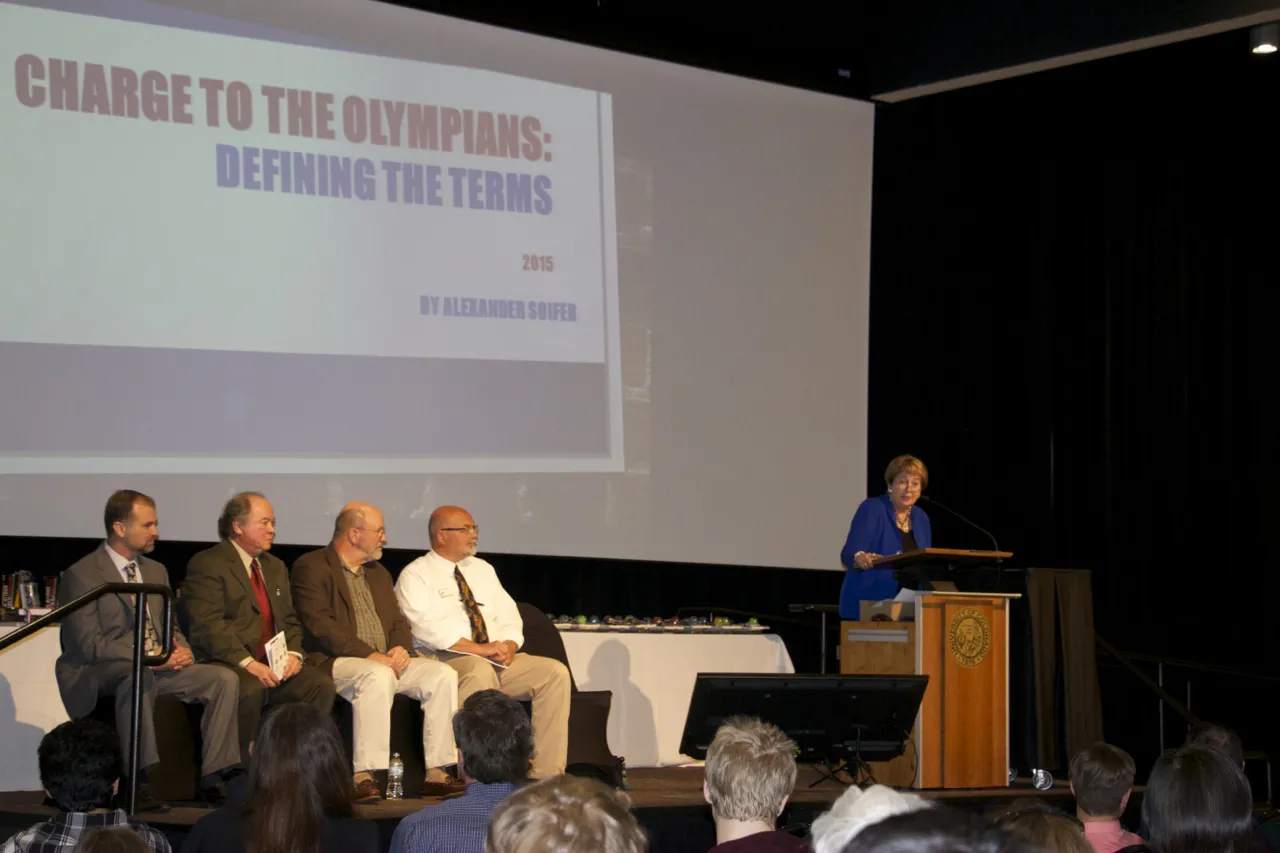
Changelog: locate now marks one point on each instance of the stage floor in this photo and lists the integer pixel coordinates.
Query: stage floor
(658, 788)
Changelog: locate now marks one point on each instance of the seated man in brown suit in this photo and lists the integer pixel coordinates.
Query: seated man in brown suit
(237, 598)
(353, 630)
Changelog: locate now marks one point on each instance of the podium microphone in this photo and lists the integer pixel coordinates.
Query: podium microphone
(982, 530)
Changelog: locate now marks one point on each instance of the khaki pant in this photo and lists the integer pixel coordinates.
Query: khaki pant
(371, 688)
(543, 681)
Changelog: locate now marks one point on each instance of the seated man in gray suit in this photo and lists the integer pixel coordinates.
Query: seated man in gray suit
(237, 597)
(97, 650)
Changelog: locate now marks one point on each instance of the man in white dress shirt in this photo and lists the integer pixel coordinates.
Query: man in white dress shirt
(458, 610)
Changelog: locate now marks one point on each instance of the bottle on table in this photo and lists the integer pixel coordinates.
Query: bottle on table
(395, 778)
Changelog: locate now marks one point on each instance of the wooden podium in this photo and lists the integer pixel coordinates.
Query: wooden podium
(961, 641)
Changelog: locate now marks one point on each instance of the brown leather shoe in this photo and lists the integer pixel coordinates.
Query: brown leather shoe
(367, 791)
(452, 788)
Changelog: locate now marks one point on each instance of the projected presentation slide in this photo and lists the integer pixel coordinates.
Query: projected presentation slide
(257, 234)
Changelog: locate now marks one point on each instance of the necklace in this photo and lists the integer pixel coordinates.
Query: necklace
(904, 524)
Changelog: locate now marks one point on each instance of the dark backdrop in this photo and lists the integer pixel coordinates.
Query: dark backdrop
(1073, 305)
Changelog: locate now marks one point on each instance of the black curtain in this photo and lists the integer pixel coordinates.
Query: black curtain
(1073, 319)
(1073, 322)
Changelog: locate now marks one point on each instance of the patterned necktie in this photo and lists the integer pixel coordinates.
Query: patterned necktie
(264, 607)
(152, 642)
(478, 632)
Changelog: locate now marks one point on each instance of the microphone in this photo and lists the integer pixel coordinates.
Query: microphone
(982, 530)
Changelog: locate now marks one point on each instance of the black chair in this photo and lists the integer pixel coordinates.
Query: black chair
(589, 753)
(176, 778)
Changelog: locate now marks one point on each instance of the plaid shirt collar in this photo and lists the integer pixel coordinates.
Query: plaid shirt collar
(62, 831)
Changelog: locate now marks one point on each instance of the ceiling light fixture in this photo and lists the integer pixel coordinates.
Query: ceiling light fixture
(1265, 38)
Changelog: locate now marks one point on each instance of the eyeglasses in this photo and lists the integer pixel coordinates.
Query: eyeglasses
(381, 531)
(470, 528)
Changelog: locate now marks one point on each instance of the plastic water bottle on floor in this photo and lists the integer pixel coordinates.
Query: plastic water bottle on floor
(395, 778)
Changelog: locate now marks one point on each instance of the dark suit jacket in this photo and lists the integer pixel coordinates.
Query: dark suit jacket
(100, 632)
(222, 611)
(328, 617)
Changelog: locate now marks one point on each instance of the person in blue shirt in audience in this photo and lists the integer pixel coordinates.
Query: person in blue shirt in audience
(495, 752)
(884, 525)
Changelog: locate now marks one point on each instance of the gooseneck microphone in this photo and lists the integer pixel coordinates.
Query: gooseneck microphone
(982, 530)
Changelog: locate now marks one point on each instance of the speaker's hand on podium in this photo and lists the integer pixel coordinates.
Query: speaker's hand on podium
(865, 559)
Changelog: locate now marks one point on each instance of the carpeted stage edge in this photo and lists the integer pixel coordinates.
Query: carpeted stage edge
(668, 802)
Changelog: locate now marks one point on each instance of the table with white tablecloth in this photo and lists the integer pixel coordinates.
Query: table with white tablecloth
(30, 705)
(651, 676)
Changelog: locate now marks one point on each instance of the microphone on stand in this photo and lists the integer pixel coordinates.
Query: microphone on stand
(982, 530)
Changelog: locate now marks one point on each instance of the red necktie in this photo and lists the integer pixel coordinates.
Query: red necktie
(264, 607)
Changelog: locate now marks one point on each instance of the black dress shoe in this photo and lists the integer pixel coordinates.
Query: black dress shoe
(146, 800)
(214, 793)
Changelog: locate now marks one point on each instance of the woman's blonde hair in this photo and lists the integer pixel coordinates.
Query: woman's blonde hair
(910, 465)
(1047, 828)
(750, 770)
(565, 814)
(112, 839)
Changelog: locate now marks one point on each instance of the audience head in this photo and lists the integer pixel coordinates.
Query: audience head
(112, 839)
(1217, 737)
(565, 814)
(1045, 826)
(938, 830)
(359, 533)
(299, 775)
(80, 764)
(1101, 779)
(454, 533)
(130, 519)
(495, 740)
(1197, 801)
(857, 809)
(750, 771)
(249, 521)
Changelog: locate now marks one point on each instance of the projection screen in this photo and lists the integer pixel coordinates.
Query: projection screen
(334, 250)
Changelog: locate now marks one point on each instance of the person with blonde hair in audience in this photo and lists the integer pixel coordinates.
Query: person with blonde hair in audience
(565, 814)
(1101, 780)
(1046, 827)
(857, 809)
(938, 830)
(749, 776)
(114, 839)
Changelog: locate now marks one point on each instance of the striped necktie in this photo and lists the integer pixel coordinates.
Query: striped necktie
(479, 634)
(152, 645)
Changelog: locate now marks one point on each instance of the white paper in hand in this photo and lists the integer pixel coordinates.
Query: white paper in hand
(482, 657)
(277, 654)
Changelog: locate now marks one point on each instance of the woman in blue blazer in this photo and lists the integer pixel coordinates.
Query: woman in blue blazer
(884, 525)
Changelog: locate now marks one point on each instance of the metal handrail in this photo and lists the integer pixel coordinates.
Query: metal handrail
(1197, 666)
(139, 591)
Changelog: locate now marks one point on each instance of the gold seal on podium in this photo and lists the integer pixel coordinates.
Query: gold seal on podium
(970, 636)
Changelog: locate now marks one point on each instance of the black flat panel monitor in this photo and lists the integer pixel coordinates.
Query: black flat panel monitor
(830, 717)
